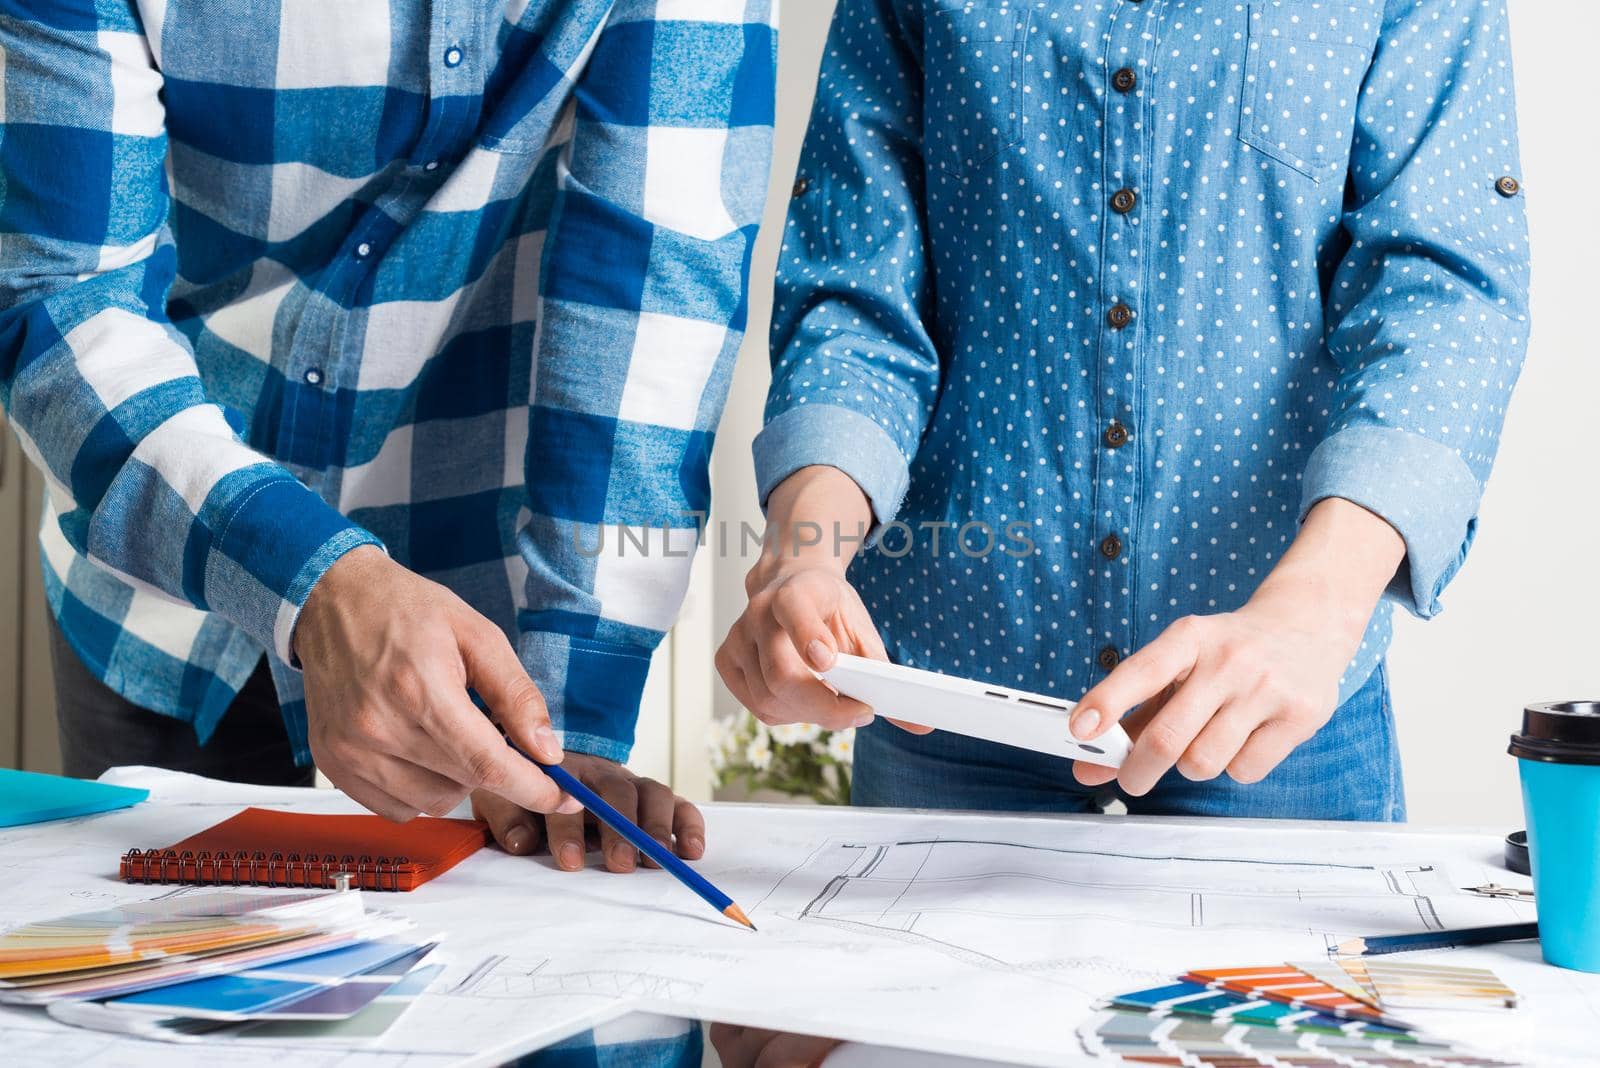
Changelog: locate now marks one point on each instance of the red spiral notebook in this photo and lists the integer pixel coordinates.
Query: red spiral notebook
(261, 847)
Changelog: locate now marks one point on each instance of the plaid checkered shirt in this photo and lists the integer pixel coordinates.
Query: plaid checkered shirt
(461, 279)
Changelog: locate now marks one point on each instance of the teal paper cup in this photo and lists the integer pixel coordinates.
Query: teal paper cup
(1558, 753)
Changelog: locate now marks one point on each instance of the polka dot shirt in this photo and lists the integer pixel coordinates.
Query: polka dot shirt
(1094, 300)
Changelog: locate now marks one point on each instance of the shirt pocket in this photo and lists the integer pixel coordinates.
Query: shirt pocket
(1302, 79)
(972, 81)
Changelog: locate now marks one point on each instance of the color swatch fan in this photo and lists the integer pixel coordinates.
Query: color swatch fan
(1424, 985)
(194, 964)
(166, 929)
(1322, 1013)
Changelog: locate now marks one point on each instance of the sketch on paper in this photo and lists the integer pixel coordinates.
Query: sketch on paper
(507, 977)
(997, 903)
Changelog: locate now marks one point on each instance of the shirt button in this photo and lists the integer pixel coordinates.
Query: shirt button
(363, 250)
(1109, 657)
(802, 186)
(1124, 80)
(1119, 316)
(314, 376)
(452, 56)
(1111, 547)
(1116, 435)
(431, 165)
(1508, 186)
(1123, 200)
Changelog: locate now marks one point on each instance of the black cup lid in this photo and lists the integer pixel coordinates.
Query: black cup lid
(1559, 732)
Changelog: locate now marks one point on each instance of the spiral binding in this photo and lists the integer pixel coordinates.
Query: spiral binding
(245, 868)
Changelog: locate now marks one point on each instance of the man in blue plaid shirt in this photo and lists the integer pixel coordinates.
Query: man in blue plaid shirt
(352, 340)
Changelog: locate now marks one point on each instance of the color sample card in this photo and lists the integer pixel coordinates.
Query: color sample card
(1329, 971)
(1144, 1039)
(1194, 999)
(344, 999)
(368, 1024)
(175, 938)
(177, 926)
(249, 994)
(126, 979)
(1290, 986)
(1421, 985)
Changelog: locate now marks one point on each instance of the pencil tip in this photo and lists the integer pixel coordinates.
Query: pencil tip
(735, 913)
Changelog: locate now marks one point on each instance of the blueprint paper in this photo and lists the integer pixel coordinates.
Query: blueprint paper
(967, 935)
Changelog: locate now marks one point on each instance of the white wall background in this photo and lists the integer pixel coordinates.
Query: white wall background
(1521, 621)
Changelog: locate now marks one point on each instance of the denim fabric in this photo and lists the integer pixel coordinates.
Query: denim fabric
(1350, 770)
(633, 1042)
(100, 729)
(1143, 283)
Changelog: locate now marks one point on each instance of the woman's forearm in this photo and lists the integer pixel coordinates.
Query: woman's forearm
(1336, 569)
(817, 516)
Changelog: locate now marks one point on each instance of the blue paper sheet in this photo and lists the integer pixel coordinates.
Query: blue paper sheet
(29, 797)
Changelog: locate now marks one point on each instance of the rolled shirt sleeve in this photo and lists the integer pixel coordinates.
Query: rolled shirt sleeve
(643, 303)
(1428, 310)
(148, 475)
(855, 368)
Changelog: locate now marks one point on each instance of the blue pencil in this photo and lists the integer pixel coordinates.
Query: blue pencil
(646, 844)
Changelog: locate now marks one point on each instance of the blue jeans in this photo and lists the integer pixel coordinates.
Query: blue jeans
(1349, 770)
(593, 1049)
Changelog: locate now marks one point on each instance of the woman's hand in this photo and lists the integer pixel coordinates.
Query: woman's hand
(798, 619)
(1237, 692)
(802, 613)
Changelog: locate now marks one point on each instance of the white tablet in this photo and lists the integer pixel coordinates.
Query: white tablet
(975, 709)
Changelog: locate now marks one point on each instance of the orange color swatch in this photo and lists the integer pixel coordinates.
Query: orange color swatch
(1288, 986)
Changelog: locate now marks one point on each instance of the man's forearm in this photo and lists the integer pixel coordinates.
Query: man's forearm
(817, 516)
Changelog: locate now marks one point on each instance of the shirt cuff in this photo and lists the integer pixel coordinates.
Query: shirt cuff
(1421, 488)
(831, 436)
(271, 544)
(591, 687)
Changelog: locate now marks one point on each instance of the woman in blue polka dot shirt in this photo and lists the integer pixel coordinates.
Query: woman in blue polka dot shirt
(1156, 348)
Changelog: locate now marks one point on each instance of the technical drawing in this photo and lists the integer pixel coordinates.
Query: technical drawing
(991, 903)
(507, 977)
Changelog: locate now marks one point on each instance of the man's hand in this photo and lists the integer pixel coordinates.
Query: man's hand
(1237, 692)
(752, 1047)
(388, 657)
(660, 813)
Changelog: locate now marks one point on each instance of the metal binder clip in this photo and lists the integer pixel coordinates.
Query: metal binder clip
(1496, 890)
(341, 880)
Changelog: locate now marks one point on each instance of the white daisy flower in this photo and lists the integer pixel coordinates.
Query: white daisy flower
(796, 733)
(842, 745)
